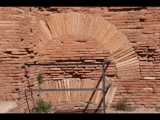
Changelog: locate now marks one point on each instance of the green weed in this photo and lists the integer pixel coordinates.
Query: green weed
(122, 105)
(42, 107)
(40, 78)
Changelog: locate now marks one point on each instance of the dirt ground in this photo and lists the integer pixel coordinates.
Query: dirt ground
(91, 111)
(131, 112)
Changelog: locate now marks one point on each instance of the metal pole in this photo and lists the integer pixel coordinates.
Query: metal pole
(103, 79)
(69, 89)
(103, 87)
(54, 64)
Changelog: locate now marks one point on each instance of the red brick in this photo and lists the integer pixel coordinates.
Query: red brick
(142, 42)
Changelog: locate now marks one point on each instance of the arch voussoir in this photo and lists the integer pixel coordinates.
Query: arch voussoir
(105, 33)
(82, 29)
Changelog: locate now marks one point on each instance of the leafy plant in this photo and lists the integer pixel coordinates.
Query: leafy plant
(122, 105)
(42, 107)
(39, 78)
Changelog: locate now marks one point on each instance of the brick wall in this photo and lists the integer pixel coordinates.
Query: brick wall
(16, 46)
(141, 28)
(29, 35)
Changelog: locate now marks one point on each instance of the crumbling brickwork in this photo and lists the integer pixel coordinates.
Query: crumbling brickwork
(128, 35)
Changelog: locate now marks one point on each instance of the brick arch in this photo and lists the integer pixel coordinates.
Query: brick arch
(96, 27)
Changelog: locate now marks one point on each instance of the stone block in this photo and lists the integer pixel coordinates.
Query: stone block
(7, 106)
